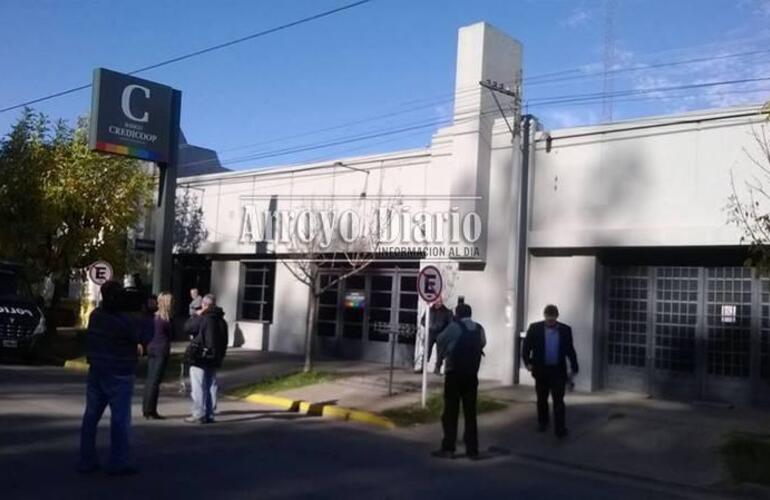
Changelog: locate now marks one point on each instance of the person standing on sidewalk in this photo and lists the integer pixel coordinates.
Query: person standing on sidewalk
(195, 303)
(158, 351)
(440, 318)
(112, 345)
(545, 351)
(206, 354)
(461, 344)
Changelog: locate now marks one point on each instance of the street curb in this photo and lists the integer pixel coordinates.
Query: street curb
(76, 364)
(321, 410)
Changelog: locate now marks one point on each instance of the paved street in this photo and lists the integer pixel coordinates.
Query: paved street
(256, 452)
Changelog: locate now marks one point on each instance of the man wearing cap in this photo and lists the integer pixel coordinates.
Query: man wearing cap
(546, 349)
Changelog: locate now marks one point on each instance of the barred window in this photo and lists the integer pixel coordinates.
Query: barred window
(257, 290)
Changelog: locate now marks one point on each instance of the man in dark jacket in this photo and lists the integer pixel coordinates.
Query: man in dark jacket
(112, 342)
(440, 317)
(461, 344)
(211, 340)
(545, 352)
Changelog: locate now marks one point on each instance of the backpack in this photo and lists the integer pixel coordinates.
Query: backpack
(467, 352)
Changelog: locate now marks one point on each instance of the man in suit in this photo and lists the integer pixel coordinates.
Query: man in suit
(546, 349)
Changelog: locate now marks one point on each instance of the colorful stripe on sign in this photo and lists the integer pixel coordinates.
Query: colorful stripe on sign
(118, 149)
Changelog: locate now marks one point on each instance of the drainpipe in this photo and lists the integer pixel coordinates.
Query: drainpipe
(521, 255)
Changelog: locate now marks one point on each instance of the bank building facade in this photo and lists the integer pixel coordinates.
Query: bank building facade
(623, 226)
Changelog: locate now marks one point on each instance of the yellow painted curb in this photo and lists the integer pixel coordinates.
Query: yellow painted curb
(76, 364)
(321, 409)
(269, 400)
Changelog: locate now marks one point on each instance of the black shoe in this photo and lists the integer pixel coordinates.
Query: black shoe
(156, 416)
(443, 454)
(562, 433)
(542, 427)
(209, 420)
(473, 455)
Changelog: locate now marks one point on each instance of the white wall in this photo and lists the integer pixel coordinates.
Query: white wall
(660, 186)
(570, 284)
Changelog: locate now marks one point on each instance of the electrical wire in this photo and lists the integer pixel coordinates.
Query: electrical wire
(198, 52)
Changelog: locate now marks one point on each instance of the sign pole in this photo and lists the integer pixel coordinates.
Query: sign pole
(164, 230)
(429, 286)
(425, 345)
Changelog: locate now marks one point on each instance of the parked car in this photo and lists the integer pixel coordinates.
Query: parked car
(22, 323)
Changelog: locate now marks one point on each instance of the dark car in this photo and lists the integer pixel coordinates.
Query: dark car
(22, 323)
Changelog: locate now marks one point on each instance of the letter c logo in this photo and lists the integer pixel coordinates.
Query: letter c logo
(125, 103)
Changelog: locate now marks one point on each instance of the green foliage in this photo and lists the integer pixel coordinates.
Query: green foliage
(414, 414)
(284, 383)
(189, 231)
(61, 205)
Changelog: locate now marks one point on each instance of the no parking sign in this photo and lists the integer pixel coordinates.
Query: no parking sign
(100, 272)
(430, 284)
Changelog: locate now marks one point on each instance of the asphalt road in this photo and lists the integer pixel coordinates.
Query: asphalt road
(257, 453)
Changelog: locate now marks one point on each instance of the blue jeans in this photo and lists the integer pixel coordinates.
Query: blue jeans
(114, 390)
(203, 382)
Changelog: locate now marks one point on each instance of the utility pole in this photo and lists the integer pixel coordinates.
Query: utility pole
(520, 266)
(495, 88)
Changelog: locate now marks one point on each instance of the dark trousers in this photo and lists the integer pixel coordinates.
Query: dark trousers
(432, 337)
(551, 381)
(103, 389)
(156, 366)
(460, 388)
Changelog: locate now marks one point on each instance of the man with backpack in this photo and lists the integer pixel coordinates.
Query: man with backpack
(461, 345)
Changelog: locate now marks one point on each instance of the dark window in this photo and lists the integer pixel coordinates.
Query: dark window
(728, 321)
(764, 345)
(258, 291)
(627, 335)
(328, 306)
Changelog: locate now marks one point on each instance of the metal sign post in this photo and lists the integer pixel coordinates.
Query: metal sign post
(429, 285)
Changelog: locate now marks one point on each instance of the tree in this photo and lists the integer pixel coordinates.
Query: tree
(344, 249)
(62, 205)
(189, 231)
(749, 211)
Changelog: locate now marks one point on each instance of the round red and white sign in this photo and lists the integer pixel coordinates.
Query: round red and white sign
(100, 272)
(430, 283)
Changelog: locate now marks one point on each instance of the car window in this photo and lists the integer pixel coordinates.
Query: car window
(9, 283)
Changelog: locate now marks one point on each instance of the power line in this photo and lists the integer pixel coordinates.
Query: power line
(235, 178)
(566, 99)
(688, 121)
(198, 52)
(571, 99)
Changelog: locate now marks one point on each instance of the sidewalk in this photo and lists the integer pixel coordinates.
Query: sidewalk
(625, 434)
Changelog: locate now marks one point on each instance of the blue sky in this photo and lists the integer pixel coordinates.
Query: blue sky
(393, 57)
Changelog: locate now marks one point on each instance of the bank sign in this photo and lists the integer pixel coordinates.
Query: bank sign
(130, 116)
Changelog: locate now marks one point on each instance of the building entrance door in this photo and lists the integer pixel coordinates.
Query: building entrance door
(351, 328)
(688, 332)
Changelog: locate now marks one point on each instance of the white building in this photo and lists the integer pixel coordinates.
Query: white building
(622, 226)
